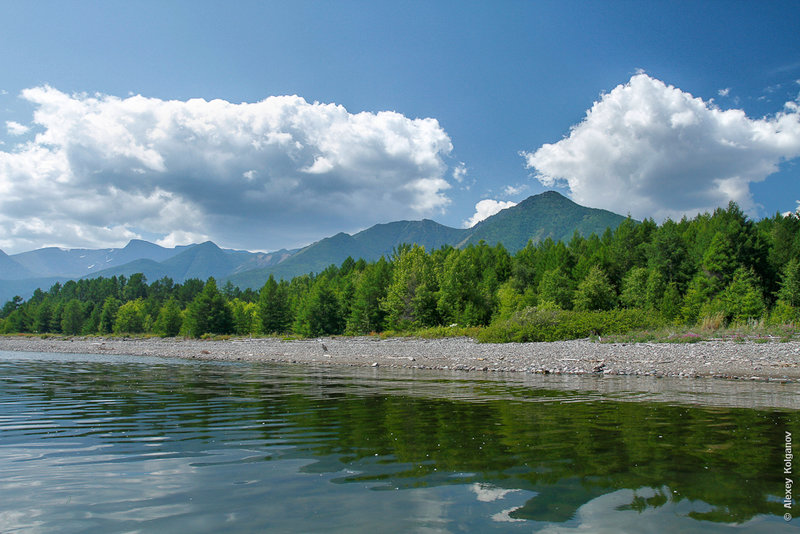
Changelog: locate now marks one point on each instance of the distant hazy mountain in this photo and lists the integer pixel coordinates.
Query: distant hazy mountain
(198, 261)
(370, 244)
(13, 270)
(536, 218)
(78, 262)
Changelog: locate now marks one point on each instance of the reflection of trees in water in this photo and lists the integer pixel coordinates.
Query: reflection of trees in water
(567, 452)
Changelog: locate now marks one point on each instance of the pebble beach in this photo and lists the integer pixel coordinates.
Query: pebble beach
(771, 361)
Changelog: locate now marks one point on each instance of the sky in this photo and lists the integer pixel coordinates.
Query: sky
(268, 125)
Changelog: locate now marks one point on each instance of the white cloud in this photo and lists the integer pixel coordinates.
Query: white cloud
(181, 238)
(650, 149)
(460, 172)
(485, 209)
(279, 172)
(15, 128)
(513, 190)
(724, 92)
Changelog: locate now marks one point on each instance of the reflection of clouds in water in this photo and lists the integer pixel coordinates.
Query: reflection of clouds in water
(604, 515)
(504, 516)
(22, 521)
(490, 493)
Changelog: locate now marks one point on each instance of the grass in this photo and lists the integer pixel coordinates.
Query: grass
(532, 324)
(737, 333)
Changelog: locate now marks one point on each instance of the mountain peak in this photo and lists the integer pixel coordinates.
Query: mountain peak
(139, 244)
(553, 197)
(549, 214)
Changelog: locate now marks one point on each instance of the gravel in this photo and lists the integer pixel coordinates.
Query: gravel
(772, 361)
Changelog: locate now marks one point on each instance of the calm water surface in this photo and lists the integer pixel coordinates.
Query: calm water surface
(104, 444)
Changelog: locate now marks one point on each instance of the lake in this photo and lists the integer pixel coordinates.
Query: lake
(113, 444)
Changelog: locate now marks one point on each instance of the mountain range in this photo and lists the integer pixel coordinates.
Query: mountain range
(538, 217)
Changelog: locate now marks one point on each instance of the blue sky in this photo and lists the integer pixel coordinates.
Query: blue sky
(126, 119)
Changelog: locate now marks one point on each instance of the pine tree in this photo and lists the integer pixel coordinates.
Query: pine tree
(72, 318)
(273, 307)
(108, 315)
(209, 313)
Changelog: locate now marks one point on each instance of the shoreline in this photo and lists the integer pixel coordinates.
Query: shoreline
(747, 360)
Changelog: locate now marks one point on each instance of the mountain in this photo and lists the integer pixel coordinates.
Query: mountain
(370, 244)
(538, 217)
(25, 288)
(382, 239)
(197, 261)
(78, 262)
(22, 273)
(549, 214)
(13, 270)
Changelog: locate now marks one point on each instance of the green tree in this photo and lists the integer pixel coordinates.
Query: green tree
(169, 320)
(130, 318)
(634, 288)
(244, 317)
(742, 299)
(668, 255)
(136, 288)
(411, 296)
(719, 261)
(556, 287)
(320, 313)
(273, 307)
(366, 314)
(108, 315)
(594, 292)
(209, 313)
(670, 303)
(701, 290)
(464, 297)
(656, 289)
(10, 306)
(790, 283)
(43, 317)
(72, 318)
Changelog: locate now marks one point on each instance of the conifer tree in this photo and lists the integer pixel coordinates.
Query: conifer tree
(273, 307)
(209, 312)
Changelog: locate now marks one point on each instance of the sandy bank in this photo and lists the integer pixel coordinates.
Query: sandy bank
(719, 359)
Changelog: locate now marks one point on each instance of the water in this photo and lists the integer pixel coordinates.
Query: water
(113, 444)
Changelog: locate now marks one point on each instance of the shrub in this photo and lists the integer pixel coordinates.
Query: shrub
(536, 324)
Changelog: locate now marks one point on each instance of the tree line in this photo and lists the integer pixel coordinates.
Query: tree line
(719, 264)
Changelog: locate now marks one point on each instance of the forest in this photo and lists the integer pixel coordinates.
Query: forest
(717, 268)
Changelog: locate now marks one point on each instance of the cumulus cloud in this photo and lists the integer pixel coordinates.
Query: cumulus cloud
(724, 92)
(15, 128)
(279, 172)
(485, 209)
(650, 149)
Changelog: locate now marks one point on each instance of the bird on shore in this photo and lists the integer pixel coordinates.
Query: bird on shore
(324, 348)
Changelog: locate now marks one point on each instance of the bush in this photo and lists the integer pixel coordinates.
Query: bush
(536, 324)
